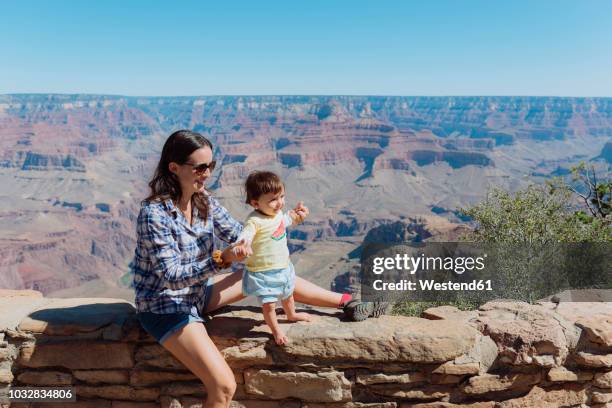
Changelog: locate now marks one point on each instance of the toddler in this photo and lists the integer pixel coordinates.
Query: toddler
(269, 273)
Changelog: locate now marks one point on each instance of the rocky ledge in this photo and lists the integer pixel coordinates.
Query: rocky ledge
(506, 354)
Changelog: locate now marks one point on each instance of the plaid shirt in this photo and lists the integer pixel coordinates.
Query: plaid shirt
(173, 260)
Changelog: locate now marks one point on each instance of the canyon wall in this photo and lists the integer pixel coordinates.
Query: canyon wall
(74, 168)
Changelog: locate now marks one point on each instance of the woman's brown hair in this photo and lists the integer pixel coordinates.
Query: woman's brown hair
(164, 183)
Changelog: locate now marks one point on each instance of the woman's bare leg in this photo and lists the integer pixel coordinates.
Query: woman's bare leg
(192, 346)
(292, 315)
(227, 289)
(311, 294)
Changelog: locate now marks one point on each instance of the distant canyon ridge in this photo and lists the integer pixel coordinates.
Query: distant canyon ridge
(74, 168)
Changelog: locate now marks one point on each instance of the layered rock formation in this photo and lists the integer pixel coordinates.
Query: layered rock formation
(506, 354)
(73, 168)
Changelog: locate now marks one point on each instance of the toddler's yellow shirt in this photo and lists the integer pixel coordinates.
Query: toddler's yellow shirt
(268, 236)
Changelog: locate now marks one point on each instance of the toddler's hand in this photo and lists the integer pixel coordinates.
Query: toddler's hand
(294, 217)
(301, 211)
(242, 250)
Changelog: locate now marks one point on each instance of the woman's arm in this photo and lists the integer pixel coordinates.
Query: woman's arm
(248, 231)
(225, 227)
(243, 247)
(156, 237)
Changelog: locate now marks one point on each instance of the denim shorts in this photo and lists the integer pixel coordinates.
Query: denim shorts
(269, 286)
(162, 326)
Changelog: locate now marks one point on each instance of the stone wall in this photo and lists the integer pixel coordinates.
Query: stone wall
(504, 355)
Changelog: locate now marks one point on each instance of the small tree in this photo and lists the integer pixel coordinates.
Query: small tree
(559, 231)
(594, 192)
(549, 213)
(546, 228)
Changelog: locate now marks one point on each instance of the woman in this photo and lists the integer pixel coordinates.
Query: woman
(176, 277)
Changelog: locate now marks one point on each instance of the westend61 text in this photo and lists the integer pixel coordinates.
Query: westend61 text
(475, 285)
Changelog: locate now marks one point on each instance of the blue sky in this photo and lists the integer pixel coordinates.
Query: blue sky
(455, 47)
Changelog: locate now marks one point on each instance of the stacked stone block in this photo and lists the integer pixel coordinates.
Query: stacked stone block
(506, 354)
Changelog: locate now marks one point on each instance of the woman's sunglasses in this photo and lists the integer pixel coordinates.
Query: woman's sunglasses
(200, 169)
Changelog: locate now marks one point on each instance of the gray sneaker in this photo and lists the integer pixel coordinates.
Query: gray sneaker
(379, 308)
(357, 311)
